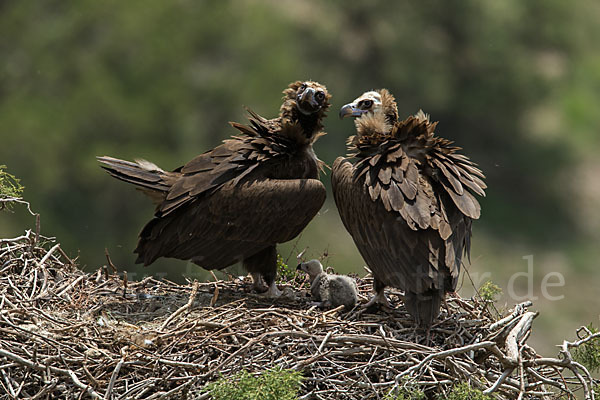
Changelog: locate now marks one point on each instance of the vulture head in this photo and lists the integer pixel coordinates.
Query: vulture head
(312, 268)
(373, 102)
(304, 106)
(375, 114)
(308, 97)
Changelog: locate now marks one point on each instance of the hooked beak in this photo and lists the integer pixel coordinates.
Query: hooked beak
(350, 110)
(307, 104)
(299, 266)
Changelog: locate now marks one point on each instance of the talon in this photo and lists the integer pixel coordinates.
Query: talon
(379, 299)
(273, 291)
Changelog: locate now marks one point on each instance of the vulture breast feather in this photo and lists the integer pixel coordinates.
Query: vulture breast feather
(408, 198)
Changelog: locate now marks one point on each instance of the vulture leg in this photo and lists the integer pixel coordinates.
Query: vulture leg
(273, 291)
(379, 297)
(424, 307)
(264, 264)
(446, 306)
(257, 282)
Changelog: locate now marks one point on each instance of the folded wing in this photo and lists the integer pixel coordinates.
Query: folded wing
(234, 222)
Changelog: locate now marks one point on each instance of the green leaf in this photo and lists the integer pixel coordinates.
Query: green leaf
(9, 187)
(275, 384)
(588, 354)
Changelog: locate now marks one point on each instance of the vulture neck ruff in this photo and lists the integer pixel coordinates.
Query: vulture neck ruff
(303, 128)
(374, 134)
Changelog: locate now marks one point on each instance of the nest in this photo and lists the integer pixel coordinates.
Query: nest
(68, 333)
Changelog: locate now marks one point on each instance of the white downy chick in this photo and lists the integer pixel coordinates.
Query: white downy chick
(329, 290)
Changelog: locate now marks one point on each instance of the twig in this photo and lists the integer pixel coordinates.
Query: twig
(183, 308)
(70, 286)
(113, 378)
(499, 381)
(19, 201)
(518, 310)
(322, 345)
(61, 371)
(48, 254)
(443, 354)
(83, 345)
(109, 261)
(515, 336)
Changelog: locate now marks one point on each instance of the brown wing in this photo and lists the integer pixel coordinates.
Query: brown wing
(458, 175)
(232, 223)
(231, 161)
(209, 171)
(411, 236)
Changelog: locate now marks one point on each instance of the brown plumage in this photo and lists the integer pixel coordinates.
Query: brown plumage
(406, 197)
(238, 200)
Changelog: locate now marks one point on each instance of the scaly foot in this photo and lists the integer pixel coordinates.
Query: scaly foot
(378, 299)
(273, 291)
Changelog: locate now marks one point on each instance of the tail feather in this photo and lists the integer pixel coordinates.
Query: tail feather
(424, 307)
(141, 173)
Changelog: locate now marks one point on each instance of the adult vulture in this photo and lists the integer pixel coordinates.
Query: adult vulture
(406, 198)
(237, 201)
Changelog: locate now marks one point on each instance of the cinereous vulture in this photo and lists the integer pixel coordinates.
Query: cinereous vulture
(407, 199)
(237, 201)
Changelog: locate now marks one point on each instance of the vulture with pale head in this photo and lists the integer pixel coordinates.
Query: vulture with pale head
(407, 199)
(237, 201)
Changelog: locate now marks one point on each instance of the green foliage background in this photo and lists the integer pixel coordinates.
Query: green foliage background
(517, 84)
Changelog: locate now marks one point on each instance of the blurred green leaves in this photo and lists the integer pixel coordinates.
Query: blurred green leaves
(10, 188)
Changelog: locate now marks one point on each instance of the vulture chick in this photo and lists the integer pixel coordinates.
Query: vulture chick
(406, 198)
(237, 201)
(329, 290)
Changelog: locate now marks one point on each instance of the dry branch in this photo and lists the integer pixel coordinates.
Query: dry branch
(86, 335)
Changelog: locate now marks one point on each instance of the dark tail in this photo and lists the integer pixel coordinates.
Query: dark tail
(141, 173)
(424, 307)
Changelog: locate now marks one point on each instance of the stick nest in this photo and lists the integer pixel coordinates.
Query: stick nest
(71, 334)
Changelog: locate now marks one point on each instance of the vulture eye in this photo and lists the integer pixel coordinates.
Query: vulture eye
(303, 86)
(320, 96)
(367, 103)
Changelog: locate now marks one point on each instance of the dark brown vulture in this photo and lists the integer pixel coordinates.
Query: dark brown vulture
(238, 200)
(406, 198)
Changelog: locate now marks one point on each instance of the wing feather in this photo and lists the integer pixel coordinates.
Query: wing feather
(454, 181)
(395, 196)
(421, 247)
(408, 204)
(466, 203)
(397, 255)
(236, 221)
